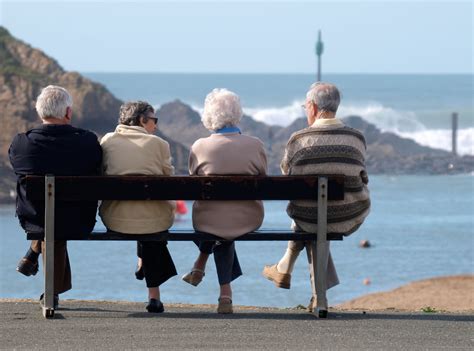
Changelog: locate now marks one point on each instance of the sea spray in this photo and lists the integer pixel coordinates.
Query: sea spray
(403, 123)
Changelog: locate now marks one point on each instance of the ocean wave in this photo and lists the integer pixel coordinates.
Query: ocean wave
(282, 116)
(401, 122)
(441, 139)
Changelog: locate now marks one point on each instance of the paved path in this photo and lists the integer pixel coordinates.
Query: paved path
(81, 325)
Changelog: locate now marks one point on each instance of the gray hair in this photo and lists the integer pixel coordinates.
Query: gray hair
(221, 109)
(130, 112)
(325, 95)
(53, 102)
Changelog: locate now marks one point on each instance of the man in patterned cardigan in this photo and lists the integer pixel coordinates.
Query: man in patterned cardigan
(327, 146)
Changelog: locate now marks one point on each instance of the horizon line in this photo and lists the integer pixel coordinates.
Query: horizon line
(278, 73)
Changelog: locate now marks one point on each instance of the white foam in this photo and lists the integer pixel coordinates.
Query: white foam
(441, 139)
(385, 118)
(400, 122)
(282, 116)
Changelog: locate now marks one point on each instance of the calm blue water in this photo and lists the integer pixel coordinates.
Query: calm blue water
(420, 227)
(414, 106)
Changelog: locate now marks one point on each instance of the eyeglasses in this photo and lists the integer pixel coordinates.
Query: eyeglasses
(303, 106)
(154, 119)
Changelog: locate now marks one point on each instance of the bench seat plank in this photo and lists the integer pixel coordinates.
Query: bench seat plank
(188, 235)
(72, 188)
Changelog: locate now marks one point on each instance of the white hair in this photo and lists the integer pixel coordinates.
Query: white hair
(221, 109)
(53, 102)
(325, 95)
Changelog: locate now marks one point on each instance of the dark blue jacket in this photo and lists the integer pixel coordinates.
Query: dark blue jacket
(58, 150)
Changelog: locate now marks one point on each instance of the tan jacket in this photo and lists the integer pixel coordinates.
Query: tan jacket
(229, 153)
(131, 150)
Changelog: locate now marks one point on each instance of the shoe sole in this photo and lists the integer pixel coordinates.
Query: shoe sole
(188, 278)
(155, 310)
(26, 273)
(278, 285)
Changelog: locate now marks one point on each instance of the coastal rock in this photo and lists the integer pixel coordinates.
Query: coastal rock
(24, 71)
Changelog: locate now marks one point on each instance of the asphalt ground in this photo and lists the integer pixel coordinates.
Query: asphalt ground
(97, 325)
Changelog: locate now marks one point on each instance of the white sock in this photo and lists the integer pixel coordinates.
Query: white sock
(287, 262)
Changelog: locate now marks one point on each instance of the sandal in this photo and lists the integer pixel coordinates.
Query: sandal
(225, 305)
(194, 279)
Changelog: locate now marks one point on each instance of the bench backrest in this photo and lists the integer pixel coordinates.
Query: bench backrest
(76, 188)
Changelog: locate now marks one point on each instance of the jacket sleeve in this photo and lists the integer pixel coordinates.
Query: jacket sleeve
(168, 168)
(284, 165)
(12, 153)
(97, 152)
(192, 161)
(263, 166)
(363, 174)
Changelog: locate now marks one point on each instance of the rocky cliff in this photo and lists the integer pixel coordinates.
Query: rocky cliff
(24, 71)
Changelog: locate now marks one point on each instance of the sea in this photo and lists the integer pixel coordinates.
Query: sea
(419, 226)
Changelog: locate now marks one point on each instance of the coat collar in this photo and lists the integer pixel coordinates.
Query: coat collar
(327, 122)
(122, 128)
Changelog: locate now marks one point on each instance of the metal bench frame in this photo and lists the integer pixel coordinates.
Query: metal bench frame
(72, 188)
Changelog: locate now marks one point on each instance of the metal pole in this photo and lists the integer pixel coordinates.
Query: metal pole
(48, 298)
(322, 250)
(454, 120)
(319, 52)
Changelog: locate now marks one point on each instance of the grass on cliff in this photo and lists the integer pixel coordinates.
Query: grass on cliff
(10, 66)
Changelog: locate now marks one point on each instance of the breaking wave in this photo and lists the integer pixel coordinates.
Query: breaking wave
(406, 124)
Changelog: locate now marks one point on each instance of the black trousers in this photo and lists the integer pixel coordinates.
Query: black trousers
(158, 265)
(225, 257)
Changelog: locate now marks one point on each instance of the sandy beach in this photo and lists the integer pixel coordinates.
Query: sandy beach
(441, 294)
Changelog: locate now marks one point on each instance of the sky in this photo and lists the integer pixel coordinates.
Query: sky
(248, 36)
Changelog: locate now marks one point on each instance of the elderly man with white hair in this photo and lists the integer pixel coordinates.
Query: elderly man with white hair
(327, 146)
(55, 147)
(225, 151)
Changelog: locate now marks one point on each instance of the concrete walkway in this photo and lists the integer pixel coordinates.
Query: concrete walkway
(81, 325)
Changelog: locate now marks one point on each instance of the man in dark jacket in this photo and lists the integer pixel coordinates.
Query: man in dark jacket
(55, 148)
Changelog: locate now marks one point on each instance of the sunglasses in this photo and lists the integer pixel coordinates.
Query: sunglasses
(154, 119)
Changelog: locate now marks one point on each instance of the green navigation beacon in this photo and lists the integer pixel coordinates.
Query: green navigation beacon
(319, 52)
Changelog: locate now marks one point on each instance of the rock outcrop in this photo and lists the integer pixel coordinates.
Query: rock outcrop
(24, 71)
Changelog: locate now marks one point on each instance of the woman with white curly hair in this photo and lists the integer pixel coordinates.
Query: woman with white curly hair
(225, 151)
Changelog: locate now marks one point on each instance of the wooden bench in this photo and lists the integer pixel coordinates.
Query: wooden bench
(73, 188)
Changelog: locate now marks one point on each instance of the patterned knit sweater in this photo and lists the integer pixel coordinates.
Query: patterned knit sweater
(329, 147)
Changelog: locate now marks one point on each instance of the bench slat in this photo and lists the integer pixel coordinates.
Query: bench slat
(76, 188)
(188, 235)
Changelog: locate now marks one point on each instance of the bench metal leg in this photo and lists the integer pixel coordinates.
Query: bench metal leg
(320, 249)
(48, 298)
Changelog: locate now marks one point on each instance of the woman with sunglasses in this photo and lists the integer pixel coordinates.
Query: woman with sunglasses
(134, 149)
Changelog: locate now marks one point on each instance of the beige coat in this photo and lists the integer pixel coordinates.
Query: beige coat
(228, 153)
(131, 150)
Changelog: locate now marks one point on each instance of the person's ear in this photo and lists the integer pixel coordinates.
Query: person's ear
(68, 115)
(315, 108)
(142, 122)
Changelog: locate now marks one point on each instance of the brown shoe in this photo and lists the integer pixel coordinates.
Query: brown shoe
(225, 305)
(281, 280)
(194, 277)
(27, 267)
